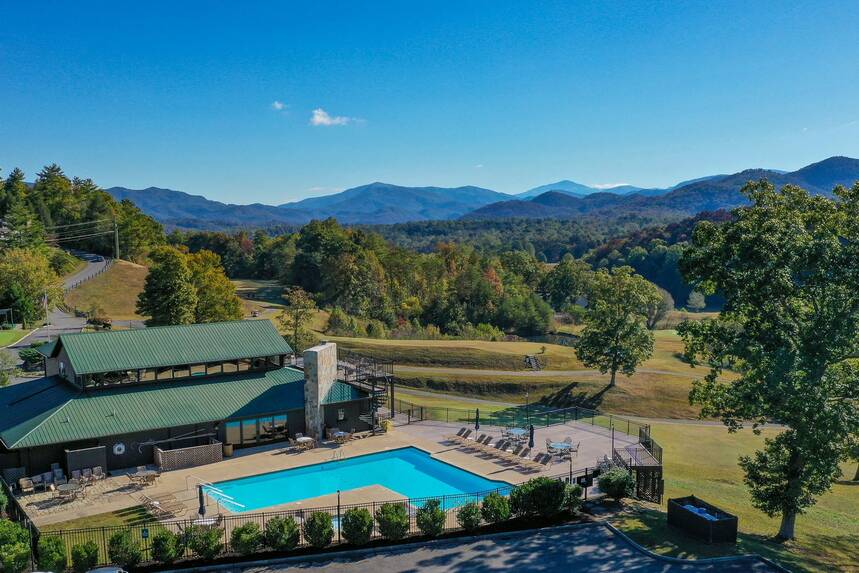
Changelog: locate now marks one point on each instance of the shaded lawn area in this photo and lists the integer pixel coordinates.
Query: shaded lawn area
(702, 460)
(115, 291)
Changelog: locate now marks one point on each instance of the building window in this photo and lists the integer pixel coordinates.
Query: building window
(63, 369)
(341, 414)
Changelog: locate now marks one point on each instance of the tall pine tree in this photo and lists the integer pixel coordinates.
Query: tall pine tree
(168, 296)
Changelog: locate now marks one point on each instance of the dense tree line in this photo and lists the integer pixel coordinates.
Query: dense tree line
(55, 208)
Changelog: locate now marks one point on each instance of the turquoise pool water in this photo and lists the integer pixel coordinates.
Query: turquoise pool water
(408, 471)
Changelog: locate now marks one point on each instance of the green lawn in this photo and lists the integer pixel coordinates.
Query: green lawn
(131, 516)
(8, 337)
(702, 460)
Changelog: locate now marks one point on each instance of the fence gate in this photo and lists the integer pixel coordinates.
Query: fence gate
(649, 484)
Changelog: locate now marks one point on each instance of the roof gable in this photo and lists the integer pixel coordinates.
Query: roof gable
(163, 346)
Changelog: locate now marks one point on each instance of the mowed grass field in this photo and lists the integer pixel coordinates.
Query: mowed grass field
(496, 370)
(115, 291)
(8, 337)
(702, 460)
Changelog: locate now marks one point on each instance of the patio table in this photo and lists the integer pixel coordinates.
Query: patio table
(304, 442)
(146, 473)
(67, 487)
(517, 434)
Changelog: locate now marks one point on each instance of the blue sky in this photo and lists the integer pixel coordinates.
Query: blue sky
(502, 95)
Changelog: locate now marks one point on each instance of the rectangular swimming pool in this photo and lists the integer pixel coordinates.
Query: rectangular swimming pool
(408, 471)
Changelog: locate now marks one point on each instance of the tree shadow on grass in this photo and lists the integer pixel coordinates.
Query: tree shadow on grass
(571, 395)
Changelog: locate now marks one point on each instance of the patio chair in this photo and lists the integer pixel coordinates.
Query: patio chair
(87, 473)
(545, 462)
(456, 436)
(55, 466)
(48, 479)
(574, 449)
(464, 438)
(98, 473)
(513, 456)
(483, 444)
(37, 481)
(499, 447)
(59, 477)
(568, 440)
(26, 485)
(76, 474)
(134, 480)
(141, 468)
(477, 443)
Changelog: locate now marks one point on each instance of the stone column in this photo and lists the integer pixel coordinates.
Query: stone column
(320, 373)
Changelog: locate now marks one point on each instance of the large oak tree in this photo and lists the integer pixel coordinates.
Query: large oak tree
(788, 267)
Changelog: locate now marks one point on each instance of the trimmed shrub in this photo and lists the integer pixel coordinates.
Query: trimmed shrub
(166, 546)
(205, 542)
(430, 518)
(11, 532)
(357, 525)
(14, 557)
(124, 550)
(52, 553)
(617, 483)
(468, 516)
(319, 529)
(573, 498)
(246, 538)
(495, 508)
(281, 533)
(84, 556)
(31, 357)
(538, 496)
(393, 520)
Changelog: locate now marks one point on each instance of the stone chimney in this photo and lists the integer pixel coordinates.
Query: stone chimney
(320, 373)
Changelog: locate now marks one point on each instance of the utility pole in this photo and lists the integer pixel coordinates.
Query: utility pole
(115, 239)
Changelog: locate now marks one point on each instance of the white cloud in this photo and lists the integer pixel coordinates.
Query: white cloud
(608, 185)
(479, 166)
(323, 118)
(278, 105)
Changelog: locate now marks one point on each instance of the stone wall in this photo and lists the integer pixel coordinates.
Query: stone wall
(320, 373)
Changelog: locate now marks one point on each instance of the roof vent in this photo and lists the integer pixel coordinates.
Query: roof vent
(68, 419)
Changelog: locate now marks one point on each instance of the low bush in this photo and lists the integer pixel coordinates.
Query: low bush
(281, 533)
(573, 498)
(205, 542)
(246, 538)
(14, 557)
(430, 518)
(14, 547)
(357, 525)
(84, 556)
(540, 496)
(31, 357)
(495, 508)
(52, 553)
(468, 516)
(319, 529)
(7, 326)
(124, 550)
(393, 520)
(166, 546)
(617, 483)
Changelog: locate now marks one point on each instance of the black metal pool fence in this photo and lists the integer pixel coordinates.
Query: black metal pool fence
(519, 416)
(142, 533)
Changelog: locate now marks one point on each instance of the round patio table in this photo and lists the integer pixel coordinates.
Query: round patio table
(64, 487)
(304, 440)
(517, 433)
(146, 473)
(560, 446)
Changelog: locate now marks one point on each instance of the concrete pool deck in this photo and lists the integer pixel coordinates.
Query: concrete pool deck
(115, 493)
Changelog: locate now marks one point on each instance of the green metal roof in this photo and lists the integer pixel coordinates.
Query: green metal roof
(163, 346)
(51, 411)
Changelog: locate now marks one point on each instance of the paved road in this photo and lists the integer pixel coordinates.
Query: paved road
(593, 548)
(60, 322)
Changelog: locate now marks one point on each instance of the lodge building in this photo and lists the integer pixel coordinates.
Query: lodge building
(124, 398)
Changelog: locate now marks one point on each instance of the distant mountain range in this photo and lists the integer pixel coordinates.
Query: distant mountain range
(704, 194)
(378, 203)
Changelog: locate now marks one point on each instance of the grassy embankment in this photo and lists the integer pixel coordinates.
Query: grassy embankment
(496, 370)
(114, 291)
